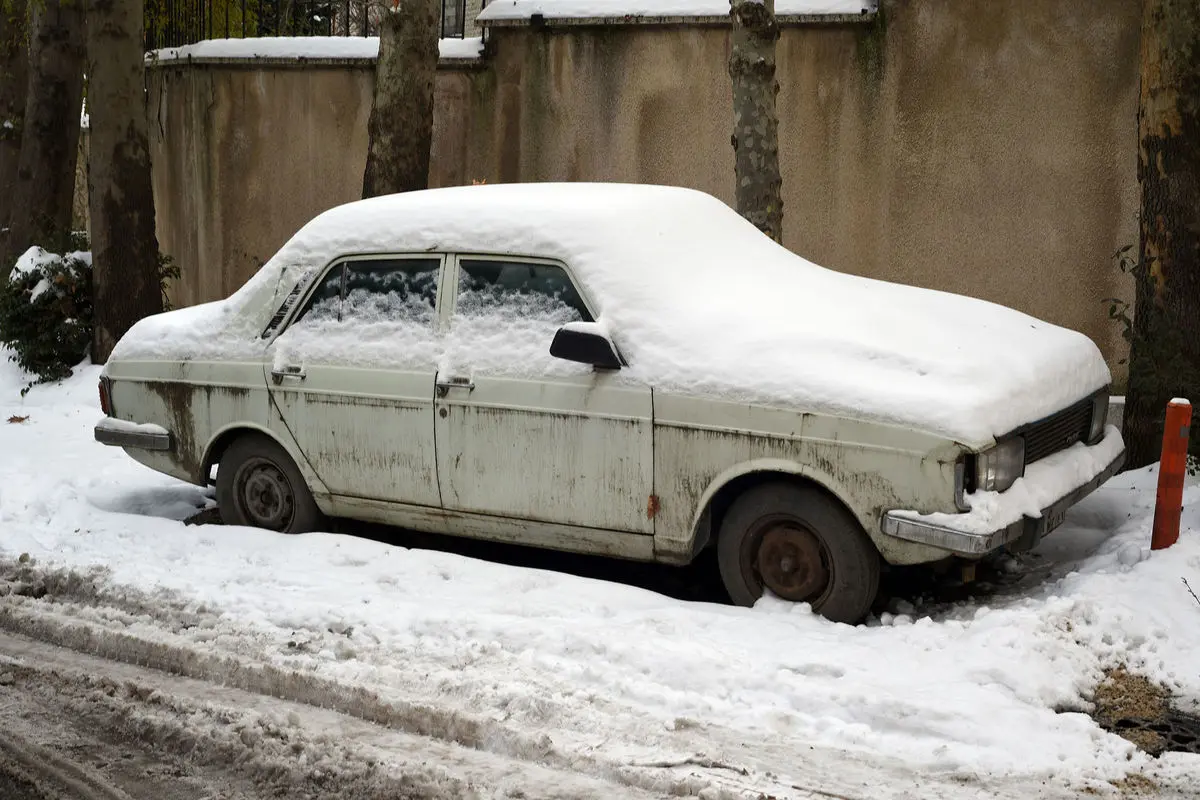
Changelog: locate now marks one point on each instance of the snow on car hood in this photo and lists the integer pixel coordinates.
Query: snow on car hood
(700, 303)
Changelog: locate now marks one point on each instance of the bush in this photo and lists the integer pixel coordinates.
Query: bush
(46, 312)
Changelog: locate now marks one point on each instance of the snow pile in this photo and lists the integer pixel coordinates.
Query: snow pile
(303, 47)
(700, 303)
(964, 703)
(592, 9)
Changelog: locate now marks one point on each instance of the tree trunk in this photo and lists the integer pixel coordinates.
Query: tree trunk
(125, 265)
(755, 123)
(45, 187)
(14, 82)
(401, 125)
(284, 19)
(1165, 342)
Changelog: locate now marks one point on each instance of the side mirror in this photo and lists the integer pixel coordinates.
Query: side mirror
(587, 343)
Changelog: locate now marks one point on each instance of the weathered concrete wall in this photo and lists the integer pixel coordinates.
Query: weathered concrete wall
(973, 146)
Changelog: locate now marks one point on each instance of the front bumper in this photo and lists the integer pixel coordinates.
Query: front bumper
(1021, 535)
(126, 434)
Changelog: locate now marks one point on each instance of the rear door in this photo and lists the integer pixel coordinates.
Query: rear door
(351, 378)
(522, 434)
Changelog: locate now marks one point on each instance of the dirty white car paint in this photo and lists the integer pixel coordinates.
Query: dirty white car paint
(396, 357)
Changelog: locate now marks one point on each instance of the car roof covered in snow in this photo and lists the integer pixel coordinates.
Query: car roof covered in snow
(700, 302)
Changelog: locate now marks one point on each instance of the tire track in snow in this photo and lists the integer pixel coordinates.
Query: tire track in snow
(285, 748)
(39, 773)
(35, 608)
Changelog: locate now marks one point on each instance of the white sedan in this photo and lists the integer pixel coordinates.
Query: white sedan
(632, 371)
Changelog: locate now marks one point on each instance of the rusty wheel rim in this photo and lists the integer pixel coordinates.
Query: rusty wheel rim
(791, 561)
(265, 495)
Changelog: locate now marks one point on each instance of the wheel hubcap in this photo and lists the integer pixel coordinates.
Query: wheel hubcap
(266, 496)
(790, 564)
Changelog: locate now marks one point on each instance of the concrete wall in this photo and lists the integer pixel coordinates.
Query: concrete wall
(973, 146)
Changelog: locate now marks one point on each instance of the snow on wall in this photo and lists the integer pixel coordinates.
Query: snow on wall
(577, 9)
(308, 47)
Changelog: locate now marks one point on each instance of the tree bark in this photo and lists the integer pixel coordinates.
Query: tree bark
(45, 186)
(1165, 341)
(755, 123)
(14, 82)
(401, 126)
(125, 258)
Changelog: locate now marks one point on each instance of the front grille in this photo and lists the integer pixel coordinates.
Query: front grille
(1057, 432)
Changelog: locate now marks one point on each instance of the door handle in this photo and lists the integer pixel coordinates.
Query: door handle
(289, 371)
(444, 387)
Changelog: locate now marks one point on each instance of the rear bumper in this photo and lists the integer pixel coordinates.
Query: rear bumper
(1021, 535)
(119, 433)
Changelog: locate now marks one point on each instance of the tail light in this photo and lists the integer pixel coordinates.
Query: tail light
(105, 397)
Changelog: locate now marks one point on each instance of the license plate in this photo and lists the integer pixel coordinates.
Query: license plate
(1054, 519)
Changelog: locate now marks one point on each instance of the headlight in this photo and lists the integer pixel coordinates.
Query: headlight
(1099, 418)
(997, 469)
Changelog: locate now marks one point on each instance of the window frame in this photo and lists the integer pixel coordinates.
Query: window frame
(454, 272)
(341, 262)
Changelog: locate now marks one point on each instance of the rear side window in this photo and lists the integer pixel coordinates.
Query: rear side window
(540, 290)
(376, 290)
(326, 300)
(391, 290)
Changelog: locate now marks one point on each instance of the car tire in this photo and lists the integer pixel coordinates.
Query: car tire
(802, 544)
(259, 486)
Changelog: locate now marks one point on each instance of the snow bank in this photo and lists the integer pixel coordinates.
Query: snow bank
(700, 303)
(566, 9)
(311, 47)
(965, 697)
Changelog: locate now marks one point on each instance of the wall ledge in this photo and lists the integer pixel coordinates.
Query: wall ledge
(722, 20)
(298, 62)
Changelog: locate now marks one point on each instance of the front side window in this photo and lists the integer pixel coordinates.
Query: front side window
(506, 316)
(540, 291)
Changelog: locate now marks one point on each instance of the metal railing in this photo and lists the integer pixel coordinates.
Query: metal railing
(174, 23)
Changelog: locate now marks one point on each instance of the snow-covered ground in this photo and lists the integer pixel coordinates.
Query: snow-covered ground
(977, 699)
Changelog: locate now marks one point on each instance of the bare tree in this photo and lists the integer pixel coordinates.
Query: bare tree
(1165, 335)
(45, 186)
(125, 258)
(755, 122)
(401, 126)
(14, 81)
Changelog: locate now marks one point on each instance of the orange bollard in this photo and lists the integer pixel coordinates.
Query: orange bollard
(1169, 504)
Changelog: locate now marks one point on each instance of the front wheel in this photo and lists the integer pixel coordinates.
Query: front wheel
(803, 546)
(258, 485)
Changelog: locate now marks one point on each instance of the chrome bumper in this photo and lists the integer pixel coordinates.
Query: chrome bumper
(113, 432)
(1022, 535)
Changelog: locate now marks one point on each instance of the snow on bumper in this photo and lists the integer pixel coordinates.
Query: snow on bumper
(121, 433)
(1031, 508)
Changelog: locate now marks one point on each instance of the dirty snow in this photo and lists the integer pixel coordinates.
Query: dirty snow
(609, 679)
(699, 303)
(319, 47)
(1045, 482)
(564, 9)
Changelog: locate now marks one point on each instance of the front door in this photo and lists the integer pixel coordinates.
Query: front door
(522, 434)
(351, 378)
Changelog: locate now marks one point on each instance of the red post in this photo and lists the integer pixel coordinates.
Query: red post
(1169, 503)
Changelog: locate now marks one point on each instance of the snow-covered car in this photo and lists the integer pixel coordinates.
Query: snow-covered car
(632, 371)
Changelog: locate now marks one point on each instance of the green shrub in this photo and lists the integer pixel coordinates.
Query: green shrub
(46, 313)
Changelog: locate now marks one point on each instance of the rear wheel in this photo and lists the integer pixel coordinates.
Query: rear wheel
(803, 546)
(258, 485)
